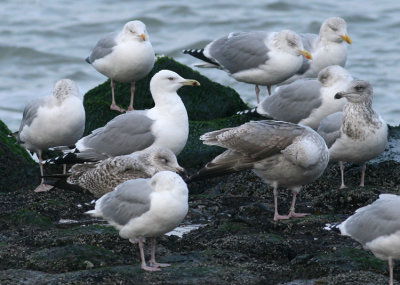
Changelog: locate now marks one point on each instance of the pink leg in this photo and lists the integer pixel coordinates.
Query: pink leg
(153, 262)
(276, 214)
(144, 265)
(364, 166)
(257, 93)
(42, 187)
(292, 213)
(113, 103)
(390, 270)
(64, 168)
(269, 89)
(130, 107)
(342, 174)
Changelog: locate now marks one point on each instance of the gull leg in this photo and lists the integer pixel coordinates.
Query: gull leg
(64, 168)
(292, 213)
(42, 187)
(364, 166)
(390, 270)
(144, 265)
(342, 174)
(257, 93)
(276, 214)
(113, 103)
(153, 262)
(130, 107)
(269, 89)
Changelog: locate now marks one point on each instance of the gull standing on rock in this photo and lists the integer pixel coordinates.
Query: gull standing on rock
(359, 133)
(259, 58)
(280, 153)
(125, 56)
(164, 125)
(55, 120)
(142, 208)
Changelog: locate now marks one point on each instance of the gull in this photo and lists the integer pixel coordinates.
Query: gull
(145, 208)
(357, 134)
(55, 120)
(259, 58)
(125, 56)
(377, 228)
(280, 153)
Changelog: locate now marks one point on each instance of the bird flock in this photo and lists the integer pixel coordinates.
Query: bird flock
(317, 113)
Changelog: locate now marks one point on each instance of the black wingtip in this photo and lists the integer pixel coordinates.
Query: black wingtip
(199, 53)
(88, 60)
(69, 158)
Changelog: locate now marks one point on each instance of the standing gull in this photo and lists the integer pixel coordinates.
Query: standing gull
(259, 58)
(55, 120)
(143, 208)
(164, 125)
(377, 228)
(281, 153)
(359, 133)
(125, 56)
(307, 101)
(327, 48)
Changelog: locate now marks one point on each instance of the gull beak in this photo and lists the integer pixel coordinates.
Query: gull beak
(190, 82)
(143, 36)
(339, 95)
(182, 172)
(346, 38)
(305, 53)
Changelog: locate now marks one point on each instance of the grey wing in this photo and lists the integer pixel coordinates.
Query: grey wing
(30, 113)
(124, 134)
(240, 51)
(129, 200)
(329, 128)
(103, 47)
(292, 102)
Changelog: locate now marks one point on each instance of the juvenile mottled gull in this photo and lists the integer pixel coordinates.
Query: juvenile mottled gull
(307, 101)
(259, 58)
(281, 153)
(102, 177)
(55, 120)
(327, 48)
(143, 208)
(164, 125)
(377, 228)
(359, 133)
(125, 56)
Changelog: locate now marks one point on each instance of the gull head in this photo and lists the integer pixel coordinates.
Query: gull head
(64, 88)
(332, 74)
(291, 42)
(169, 81)
(161, 158)
(335, 30)
(169, 181)
(135, 30)
(358, 91)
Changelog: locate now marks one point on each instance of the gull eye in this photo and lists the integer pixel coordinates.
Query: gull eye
(170, 78)
(359, 88)
(333, 28)
(291, 43)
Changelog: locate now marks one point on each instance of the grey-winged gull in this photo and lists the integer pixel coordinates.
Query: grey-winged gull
(55, 120)
(259, 58)
(125, 56)
(377, 228)
(327, 48)
(359, 133)
(164, 125)
(307, 101)
(102, 177)
(145, 208)
(281, 153)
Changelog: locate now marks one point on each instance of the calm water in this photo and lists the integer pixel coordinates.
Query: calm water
(43, 41)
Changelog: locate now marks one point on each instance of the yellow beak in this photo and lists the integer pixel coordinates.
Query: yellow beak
(143, 36)
(305, 53)
(346, 38)
(191, 82)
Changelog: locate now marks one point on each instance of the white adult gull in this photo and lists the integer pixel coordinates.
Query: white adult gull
(280, 153)
(307, 101)
(145, 208)
(327, 48)
(377, 228)
(125, 56)
(259, 58)
(55, 120)
(357, 134)
(164, 125)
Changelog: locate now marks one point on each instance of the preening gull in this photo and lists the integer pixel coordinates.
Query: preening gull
(281, 153)
(125, 56)
(259, 58)
(359, 133)
(377, 228)
(55, 120)
(307, 101)
(102, 177)
(143, 208)
(164, 125)
(327, 48)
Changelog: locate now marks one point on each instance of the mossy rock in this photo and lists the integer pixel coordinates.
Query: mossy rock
(27, 217)
(17, 168)
(206, 102)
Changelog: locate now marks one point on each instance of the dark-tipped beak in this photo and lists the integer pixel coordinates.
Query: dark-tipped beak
(338, 95)
(182, 172)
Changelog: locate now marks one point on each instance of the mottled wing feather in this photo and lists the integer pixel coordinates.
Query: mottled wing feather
(103, 47)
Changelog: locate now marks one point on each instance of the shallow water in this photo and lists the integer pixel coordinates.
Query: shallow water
(43, 41)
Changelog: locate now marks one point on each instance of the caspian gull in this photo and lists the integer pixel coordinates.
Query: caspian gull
(259, 58)
(358, 134)
(55, 120)
(281, 153)
(142, 208)
(125, 56)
